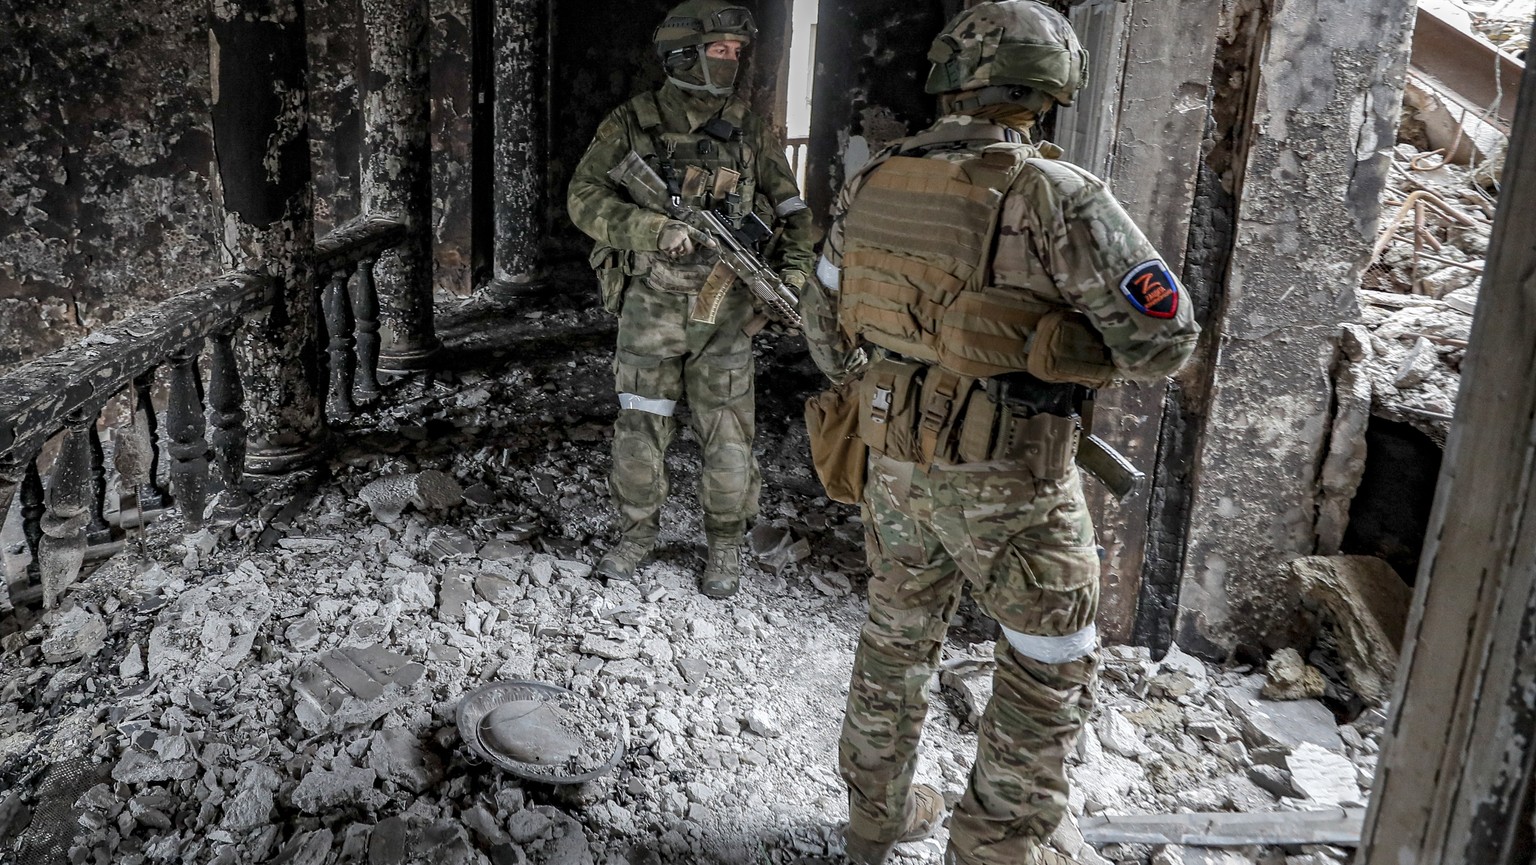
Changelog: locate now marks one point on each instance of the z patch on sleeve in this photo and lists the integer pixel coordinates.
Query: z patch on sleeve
(1151, 289)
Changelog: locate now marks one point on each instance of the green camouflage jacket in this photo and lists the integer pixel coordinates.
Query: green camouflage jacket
(602, 210)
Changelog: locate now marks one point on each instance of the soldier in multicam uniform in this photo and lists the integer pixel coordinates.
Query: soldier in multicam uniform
(995, 286)
(715, 153)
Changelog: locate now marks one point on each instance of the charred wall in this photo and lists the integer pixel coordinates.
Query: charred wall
(870, 69)
(104, 131)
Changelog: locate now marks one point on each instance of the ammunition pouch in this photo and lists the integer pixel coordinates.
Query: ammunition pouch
(607, 263)
(913, 412)
(1066, 348)
(840, 456)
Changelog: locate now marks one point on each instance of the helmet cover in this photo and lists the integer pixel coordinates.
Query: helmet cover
(1009, 42)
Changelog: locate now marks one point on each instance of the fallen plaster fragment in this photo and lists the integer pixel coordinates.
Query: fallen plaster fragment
(1219, 829)
(352, 686)
(1324, 777)
(76, 633)
(388, 497)
(1366, 604)
(397, 756)
(323, 790)
(1291, 678)
(1288, 724)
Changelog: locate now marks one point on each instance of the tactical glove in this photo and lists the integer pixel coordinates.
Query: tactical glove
(795, 279)
(676, 239)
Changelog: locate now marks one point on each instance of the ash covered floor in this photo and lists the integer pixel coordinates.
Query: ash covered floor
(177, 709)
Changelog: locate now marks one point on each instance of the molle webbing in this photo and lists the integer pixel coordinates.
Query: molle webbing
(917, 245)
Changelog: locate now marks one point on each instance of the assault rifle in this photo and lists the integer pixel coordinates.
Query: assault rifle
(734, 246)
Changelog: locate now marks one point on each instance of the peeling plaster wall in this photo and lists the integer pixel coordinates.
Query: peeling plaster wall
(871, 64)
(105, 154)
(334, 31)
(1328, 88)
(599, 59)
(104, 131)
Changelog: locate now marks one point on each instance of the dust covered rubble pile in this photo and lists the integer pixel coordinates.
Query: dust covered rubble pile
(294, 702)
(1403, 358)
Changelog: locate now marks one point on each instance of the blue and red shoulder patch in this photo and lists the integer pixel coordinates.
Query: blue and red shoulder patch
(1151, 289)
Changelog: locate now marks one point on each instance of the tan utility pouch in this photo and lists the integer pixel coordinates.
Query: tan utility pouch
(1066, 348)
(606, 263)
(839, 455)
(939, 410)
(888, 408)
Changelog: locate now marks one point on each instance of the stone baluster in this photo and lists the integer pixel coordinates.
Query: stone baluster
(152, 496)
(188, 448)
(365, 312)
(32, 515)
(98, 532)
(338, 323)
(11, 474)
(226, 395)
(62, 547)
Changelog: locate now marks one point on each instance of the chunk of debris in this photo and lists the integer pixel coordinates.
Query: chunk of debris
(1323, 776)
(1288, 724)
(352, 686)
(1366, 604)
(396, 756)
(389, 496)
(76, 633)
(323, 790)
(1291, 678)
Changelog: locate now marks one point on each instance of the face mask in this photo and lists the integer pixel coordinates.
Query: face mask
(1007, 114)
(716, 77)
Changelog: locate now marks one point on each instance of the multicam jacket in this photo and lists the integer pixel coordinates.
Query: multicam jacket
(1061, 240)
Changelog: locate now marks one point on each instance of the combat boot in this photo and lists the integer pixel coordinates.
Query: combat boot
(1038, 855)
(621, 560)
(722, 571)
(925, 812)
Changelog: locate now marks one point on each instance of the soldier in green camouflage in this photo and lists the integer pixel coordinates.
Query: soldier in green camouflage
(714, 153)
(993, 287)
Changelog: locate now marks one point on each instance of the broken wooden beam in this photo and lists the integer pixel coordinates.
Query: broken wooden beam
(1338, 826)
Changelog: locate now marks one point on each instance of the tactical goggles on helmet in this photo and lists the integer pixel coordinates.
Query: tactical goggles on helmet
(731, 21)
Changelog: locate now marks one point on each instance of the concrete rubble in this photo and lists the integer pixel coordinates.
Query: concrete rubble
(294, 702)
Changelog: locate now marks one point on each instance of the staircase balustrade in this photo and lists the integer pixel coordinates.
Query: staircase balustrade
(57, 403)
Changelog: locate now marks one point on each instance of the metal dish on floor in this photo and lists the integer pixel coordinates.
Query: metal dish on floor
(540, 731)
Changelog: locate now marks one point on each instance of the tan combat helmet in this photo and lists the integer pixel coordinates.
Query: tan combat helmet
(1003, 45)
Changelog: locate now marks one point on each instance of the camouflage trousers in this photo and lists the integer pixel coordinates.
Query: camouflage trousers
(1027, 548)
(663, 357)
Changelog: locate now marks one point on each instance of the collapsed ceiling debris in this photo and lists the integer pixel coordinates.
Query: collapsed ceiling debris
(284, 704)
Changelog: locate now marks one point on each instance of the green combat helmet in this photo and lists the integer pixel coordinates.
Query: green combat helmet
(695, 23)
(998, 47)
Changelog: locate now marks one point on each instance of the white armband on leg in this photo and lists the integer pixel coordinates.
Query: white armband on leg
(1054, 650)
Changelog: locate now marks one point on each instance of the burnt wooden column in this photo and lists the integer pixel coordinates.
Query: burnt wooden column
(1144, 51)
(396, 177)
(260, 128)
(1457, 776)
(521, 58)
